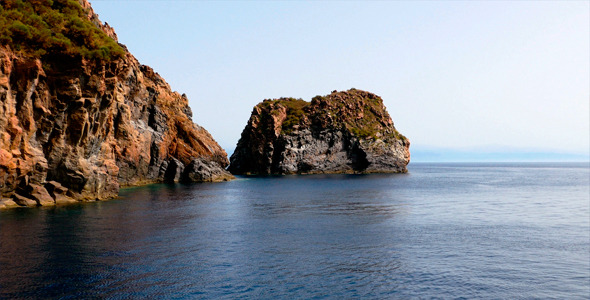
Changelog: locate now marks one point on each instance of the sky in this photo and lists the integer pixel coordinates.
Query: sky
(456, 76)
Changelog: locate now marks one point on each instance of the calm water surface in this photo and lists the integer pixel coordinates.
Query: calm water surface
(502, 231)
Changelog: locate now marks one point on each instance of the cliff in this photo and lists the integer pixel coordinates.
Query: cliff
(79, 123)
(343, 132)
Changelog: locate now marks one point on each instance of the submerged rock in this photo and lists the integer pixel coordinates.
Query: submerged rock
(74, 128)
(343, 132)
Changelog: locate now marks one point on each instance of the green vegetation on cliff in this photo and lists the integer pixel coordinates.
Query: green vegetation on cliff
(294, 113)
(361, 113)
(39, 27)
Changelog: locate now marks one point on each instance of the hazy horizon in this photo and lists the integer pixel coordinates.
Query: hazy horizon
(455, 76)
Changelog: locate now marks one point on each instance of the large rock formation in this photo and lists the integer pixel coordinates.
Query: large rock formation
(344, 132)
(73, 128)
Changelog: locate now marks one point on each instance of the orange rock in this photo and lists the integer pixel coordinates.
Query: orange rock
(92, 126)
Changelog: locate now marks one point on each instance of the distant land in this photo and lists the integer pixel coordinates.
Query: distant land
(494, 154)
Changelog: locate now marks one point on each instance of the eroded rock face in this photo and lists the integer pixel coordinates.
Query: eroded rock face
(75, 129)
(344, 132)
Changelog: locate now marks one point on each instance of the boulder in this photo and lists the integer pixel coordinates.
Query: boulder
(343, 132)
(201, 170)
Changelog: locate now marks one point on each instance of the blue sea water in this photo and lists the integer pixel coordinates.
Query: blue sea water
(450, 231)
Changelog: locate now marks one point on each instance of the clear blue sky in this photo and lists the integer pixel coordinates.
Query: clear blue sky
(466, 75)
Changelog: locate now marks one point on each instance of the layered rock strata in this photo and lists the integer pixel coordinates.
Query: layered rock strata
(74, 129)
(343, 132)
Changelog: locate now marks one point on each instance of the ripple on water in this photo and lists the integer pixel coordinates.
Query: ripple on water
(441, 231)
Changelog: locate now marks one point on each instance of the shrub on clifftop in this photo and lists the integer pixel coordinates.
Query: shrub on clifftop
(39, 27)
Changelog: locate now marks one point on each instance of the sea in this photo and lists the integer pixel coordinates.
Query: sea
(441, 231)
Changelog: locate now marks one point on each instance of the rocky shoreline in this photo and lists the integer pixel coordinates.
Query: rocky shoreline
(78, 128)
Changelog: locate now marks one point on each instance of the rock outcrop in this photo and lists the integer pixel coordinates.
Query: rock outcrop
(76, 129)
(344, 132)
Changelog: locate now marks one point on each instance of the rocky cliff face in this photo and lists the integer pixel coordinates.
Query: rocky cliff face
(78, 129)
(344, 132)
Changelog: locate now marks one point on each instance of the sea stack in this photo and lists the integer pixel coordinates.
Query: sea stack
(343, 132)
(80, 116)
